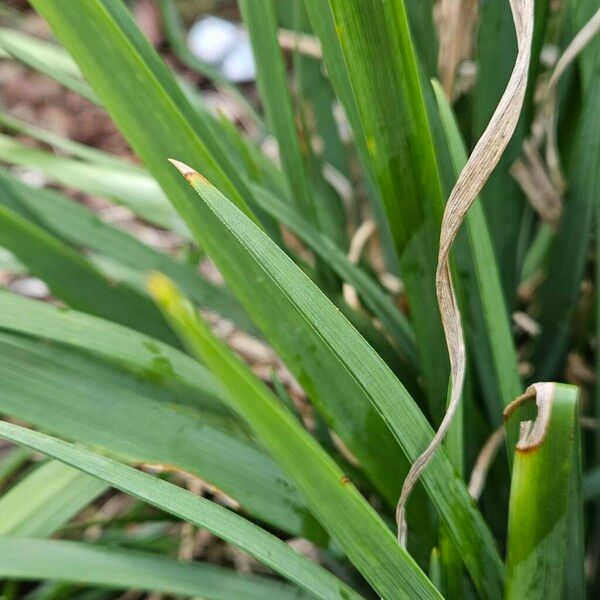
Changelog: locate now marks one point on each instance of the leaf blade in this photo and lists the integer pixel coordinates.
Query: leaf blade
(181, 503)
(332, 362)
(362, 535)
(89, 564)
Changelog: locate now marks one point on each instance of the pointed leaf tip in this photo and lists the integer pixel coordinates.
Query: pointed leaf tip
(160, 287)
(187, 171)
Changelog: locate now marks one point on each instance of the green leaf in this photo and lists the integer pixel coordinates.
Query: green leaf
(420, 15)
(392, 129)
(73, 279)
(79, 226)
(11, 462)
(347, 516)
(582, 11)
(128, 185)
(43, 501)
(145, 357)
(285, 119)
(316, 101)
(259, 17)
(250, 538)
(64, 144)
(47, 58)
(94, 565)
(374, 297)
(102, 32)
(82, 399)
(340, 372)
(322, 23)
(539, 499)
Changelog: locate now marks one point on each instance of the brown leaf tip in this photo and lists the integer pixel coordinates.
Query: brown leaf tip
(533, 433)
(187, 171)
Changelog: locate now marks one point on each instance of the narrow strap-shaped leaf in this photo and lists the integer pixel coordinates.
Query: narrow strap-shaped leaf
(47, 58)
(360, 532)
(545, 457)
(11, 462)
(128, 185)
(376, 300)
(351, 416)
(316, 99)
(58, 560)
(259, 17)
(43, 501)
(422, 26)
(323, 25)
(76, 281)
(82, 399)
(141, 354)
(393, 130)
(101, 32)
(65, 144)
(263, 546)
(581, 13)
(81, 227)
(340, 372)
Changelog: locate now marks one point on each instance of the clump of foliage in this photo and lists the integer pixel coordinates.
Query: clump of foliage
(124, 383)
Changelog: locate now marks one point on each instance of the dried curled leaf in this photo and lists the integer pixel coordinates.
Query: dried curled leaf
(578, 43)
(533, 433)
(484, 461)
(481, 163)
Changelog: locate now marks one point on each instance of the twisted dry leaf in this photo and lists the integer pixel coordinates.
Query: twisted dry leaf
(455, 20)
(359, 240)
(578, 43)
(538, 186)
(483, 160)
(533, 433)
(484, 462)
(308, 45)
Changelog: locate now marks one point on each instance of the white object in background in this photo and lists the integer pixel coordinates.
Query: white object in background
(210, 39)
(30, 287)
(225, 46)
(239, 65)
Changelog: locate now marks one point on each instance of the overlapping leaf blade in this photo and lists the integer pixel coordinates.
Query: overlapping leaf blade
(141, 422)
(333, 363)
(391, 127)
(360, 532)
(183, 504)
(76, 281)
(123, 569)
(44, 500)
(79, 226)
(171, 135)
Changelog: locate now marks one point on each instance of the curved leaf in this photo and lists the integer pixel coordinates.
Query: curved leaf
(250, 538)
